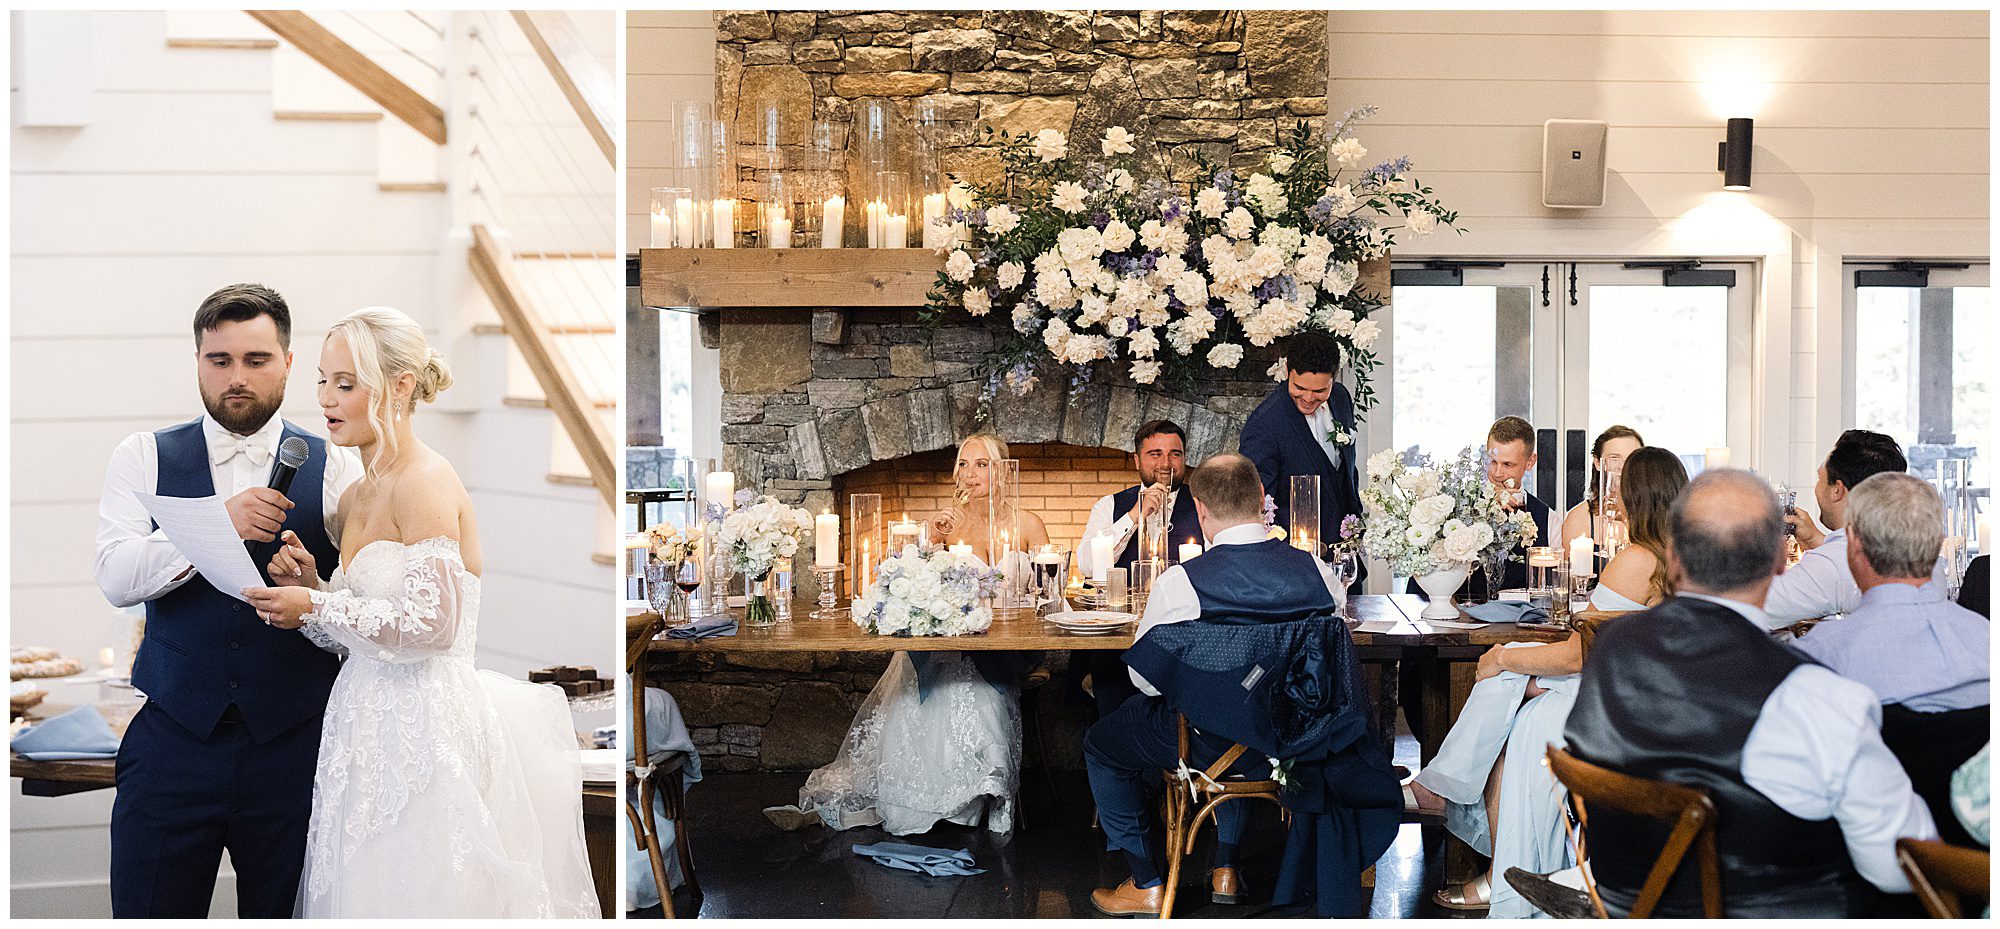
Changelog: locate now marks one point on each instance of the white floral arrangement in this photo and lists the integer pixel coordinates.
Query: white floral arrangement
(939, 593)
(1424, 517)
(1091, 263)
(672, 544)
(757, 534)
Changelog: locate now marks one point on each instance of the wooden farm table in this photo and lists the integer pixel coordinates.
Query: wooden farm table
(600, 808)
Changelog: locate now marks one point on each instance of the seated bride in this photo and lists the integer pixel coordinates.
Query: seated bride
(1518, 707)
(939, 738)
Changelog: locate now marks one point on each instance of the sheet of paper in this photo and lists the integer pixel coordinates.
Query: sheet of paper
(200, 528)
(1378, 625)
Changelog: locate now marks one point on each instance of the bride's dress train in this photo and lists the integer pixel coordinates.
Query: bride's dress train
(943, 744)
(442, 790)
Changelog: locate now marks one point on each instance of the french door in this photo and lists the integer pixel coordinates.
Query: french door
(1573, 347)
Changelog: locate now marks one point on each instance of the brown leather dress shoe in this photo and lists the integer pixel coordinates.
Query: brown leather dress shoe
(1224, 887)
(1127, 900)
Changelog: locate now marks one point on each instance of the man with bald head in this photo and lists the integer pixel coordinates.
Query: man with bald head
(1694, 691)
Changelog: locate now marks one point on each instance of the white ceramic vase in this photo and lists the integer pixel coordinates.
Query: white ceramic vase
(1438, 588)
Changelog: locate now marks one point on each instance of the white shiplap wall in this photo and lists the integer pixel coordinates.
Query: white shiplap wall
(1871, 140)
(177, 181)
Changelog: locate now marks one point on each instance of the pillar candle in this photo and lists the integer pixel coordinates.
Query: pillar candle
(1581, 555)
(832, 220)
(1715, 458)
(896, 231)
(780, 235)
(1189, 551)
(684, 222)
(962, 548)
(1985, 537)
(719, 487)
(935, 234)
(904, 533)
(725, 223)
(1100, 557)
(662, 230)
(826, 540)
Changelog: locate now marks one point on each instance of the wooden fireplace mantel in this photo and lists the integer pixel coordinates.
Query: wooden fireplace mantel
(724, 278)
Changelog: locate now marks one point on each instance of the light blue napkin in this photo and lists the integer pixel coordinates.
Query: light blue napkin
(935, 862)
(1507, 611)
(704, 628)
(78, 734)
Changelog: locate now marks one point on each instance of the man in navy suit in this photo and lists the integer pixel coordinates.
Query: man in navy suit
(222, 755)
(1307, 427)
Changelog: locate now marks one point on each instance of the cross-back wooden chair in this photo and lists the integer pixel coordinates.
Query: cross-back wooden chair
(1687, 811)
(1948, 879)
(1193, 795)
(646, 781)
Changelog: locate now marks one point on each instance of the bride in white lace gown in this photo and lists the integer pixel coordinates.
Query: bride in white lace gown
(442, 790)
(939, 738)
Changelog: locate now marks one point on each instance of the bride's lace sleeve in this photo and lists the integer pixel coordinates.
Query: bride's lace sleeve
(420, 623)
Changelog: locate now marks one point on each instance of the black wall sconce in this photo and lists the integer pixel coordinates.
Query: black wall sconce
(1732, 156)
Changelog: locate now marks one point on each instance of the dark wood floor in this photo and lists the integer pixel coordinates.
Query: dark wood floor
(1045, 869)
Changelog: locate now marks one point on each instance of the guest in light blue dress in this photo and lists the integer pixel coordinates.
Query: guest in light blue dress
(1518, 708)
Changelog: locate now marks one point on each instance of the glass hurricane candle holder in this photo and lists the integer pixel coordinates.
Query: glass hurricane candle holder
(676, 218)
(1304, 526)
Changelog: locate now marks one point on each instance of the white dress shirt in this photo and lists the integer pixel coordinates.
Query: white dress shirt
(1322, 423)
(137, 563)
(1816, 751)
(1120, 529)
(1820, 585)
(1173, 599)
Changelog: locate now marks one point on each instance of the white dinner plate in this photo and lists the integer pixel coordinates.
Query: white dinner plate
(1092, 622)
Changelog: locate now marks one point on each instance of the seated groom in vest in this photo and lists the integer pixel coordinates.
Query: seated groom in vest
(222, 754)
(1244, 577)
(1159, 453)
(1694, 691)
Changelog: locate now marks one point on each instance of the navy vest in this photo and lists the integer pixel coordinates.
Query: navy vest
(1182, 526)
(204, 649)
(1263, 582)
(1671, 694)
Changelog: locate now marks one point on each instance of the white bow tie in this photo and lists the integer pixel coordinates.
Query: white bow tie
(222, 448)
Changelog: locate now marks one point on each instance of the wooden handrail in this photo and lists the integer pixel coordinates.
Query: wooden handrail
(582, 79)
(358, 70)
(559, 383)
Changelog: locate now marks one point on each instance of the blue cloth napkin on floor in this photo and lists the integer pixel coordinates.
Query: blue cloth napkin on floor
(707, 627)
(78, 734)
(935, 862)
(1507, 611)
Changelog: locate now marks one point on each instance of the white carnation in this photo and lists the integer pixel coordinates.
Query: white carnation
(1210, 203)
(1346, 151)
(1422, 223)
(1120, 180)
(1281, 163)
(1225, 355)
(959, 266)
(1068, 196)
(1117, 236)
(1001, 219)
(1011, 274)
(1341, 278)
(1145, 372)
(1239, 223)
(977, 302)
(1266, 194)
(1050, 145)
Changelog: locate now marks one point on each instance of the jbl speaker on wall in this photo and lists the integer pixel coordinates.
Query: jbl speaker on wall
(1573, 162)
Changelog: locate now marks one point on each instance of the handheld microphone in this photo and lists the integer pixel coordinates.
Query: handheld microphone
(292, 453)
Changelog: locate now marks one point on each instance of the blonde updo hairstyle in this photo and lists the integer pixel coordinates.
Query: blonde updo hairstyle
(387, 344)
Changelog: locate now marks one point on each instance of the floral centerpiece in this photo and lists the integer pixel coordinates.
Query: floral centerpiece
(1431, 522)
(939, 593)
(1090, 262)
(755, 536)
(672, 544)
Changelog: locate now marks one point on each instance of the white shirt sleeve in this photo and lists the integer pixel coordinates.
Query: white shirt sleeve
(1817, 586)
(135, 562)
(1816, 751)
(1172, 600)
(1099, 523)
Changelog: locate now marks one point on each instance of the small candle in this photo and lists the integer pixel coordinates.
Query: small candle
(1581, 556)
(107, 657)
(720, 488)
(904, 533)
(1048, 556)
(725, 223)
(1715, 458)
(962, 548)
(684, 213)
(1542, 558)
(826, 540)
(832, 220)
(780, 233)
(1100, 557)
(662, 229)
(935, 234)
(1304, 542)
(1189, 551)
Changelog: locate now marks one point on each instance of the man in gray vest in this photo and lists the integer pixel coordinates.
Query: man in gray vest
(221, 757)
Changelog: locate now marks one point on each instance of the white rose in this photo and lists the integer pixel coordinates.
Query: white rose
(1145, 372)
(1225, 355)
(1117, 236)
(1276, 370)
(959, 266)
(1010, 275)
(1210, 203)
(1281, 163)
(1117, 141)
(1422, 223)
(1001, 220)
(1432, 510)
(1341, 278)
(1346, 151)
(1366, 332)
(1120, 180)
(977, 302)
(1068, 196)
(1050, 145)
(1238, 224)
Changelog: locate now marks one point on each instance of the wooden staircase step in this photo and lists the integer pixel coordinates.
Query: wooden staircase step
(328, 116)
(540, 403)
(604, 558)
(245, 44)
(571, 480)
(571, 329)
(422, 187)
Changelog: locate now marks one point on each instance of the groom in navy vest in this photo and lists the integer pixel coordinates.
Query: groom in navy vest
(1159, 452)
(221, 756)
(1306, 427)
(1244, 577)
